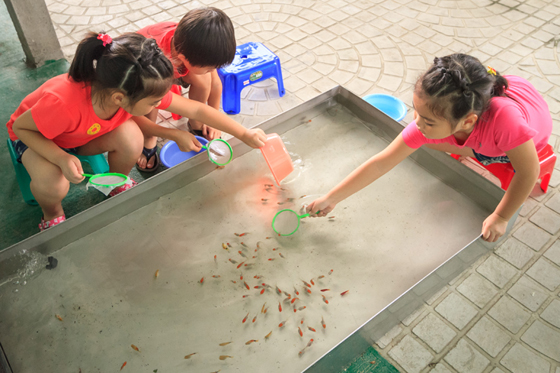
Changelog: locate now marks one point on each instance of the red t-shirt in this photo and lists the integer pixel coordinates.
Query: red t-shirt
(63, 112)
(163, 34)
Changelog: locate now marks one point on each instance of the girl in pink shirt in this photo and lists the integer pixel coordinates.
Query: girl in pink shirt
(464, 108)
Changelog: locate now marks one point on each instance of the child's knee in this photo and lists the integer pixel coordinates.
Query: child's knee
(132, 137)
(52, 185)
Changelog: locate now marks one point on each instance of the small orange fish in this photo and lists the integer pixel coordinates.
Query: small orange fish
(282, 324)
(201, 280)
(241, 277)
(323, 323)
(279, 307)
(331, 217)
(257, 277)
(282, 256)
(156, 275)
(255, 318)
(271, 259)
(243, 234)
(297, 292)
(190, 355)
(215, 258)
(233, 261)
(264, 199)
(325, 289)
(257, 287)
(268, 335)
(135, 348)
(274, 248)
(307, 290)
(320, 277)
(278, 290)
(302, 308)
(312, 283)
(229, 245)
(312, 329)
(309, 343)
(246, 295)
(241, 253)
(344, 293)
(301, 322)
(58, 317)
(287, 294)
(266, 309)
(280, 203)
(295, 309)
(268, 238)
(325, 299)
(216, 276)
(237, 234)
(300, 332)
(225, 343)
(224, 246)
(251, 341)
(254, 256)
(305, 195)
(268, 185)
(240, 264)
(245, 318)
(262, 291)
(262, 309)
(331, 271)
(306, 284)
(293, 300)
(235, 282)
(124, 364)
(223, 357)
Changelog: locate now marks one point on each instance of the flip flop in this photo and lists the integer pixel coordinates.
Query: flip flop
(149, 153)
(193, 131)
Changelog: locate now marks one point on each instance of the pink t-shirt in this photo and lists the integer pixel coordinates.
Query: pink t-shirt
(509, 122)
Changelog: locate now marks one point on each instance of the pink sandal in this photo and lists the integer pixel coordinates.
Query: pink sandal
(122, 188)
(51, 223)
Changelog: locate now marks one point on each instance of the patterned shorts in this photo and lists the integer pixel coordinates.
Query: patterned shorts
(489, 160)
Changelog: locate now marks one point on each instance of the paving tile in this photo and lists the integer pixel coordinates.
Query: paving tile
(552, 313)
(532, 236)
(554, 202)
(410, 355)
(546, 219)
(390, 83)
(544, 339)
(489, 336)
(509, 314)
(440, 368)
(434, 332)
(520, 359)
(478, 290)
(456, 310)
(545, 273)
(497, 271)
(466, 358)
(529, 293)
(553, 252)
(388, 337)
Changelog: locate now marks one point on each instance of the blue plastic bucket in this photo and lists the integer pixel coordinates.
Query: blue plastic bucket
(171, 155)
(388, 104)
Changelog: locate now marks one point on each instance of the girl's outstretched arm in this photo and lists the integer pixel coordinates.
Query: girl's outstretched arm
(367, 173)
(525, 161)
(191, 109)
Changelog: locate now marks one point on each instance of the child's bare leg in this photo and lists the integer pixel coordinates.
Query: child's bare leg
(124, 145)
(448, 148)
(149, 143)
(48, 184)
(201, 90)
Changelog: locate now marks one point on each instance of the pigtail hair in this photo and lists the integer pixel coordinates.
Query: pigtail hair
(89, 50)
(500, 86)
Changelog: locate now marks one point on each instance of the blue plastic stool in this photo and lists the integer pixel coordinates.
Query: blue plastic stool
(97, 162)
(253, 62)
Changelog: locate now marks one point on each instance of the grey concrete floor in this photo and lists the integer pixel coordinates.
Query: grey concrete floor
(502, 315)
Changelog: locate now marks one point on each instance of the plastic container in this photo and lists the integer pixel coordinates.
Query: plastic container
(388, 104)
(277, 157)
(171, 155)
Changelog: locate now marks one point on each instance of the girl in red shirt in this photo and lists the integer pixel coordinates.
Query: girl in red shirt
(100, 106)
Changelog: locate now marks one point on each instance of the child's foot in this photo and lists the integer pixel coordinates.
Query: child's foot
(50, 223)
(122, 188)
(148, 161)
(205, 131)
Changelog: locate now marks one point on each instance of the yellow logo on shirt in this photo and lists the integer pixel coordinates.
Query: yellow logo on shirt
(94, 129)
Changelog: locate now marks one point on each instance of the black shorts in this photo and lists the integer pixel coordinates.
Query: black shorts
(20, 148)
(489, 160)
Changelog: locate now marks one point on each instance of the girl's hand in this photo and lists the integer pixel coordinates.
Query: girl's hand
(494, 227)
(71, 168)
(210, 133)
(187, 142)
(255, 138)
(323, 204)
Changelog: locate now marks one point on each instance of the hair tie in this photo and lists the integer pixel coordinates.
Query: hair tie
(491, 70)
(105, 38)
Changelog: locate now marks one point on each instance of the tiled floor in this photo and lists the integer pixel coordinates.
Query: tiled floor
(501, 315)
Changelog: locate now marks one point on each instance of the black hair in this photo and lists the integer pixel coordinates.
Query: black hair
(459, 84)
(206, 37)
(129, 63)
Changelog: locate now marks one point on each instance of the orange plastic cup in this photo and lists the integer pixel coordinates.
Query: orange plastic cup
(277, 157)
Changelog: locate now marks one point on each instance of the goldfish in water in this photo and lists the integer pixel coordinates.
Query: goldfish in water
(331, 271)
(225, 343)
(264, 199)
(262, 291)
(241, 253)
(246, 295)
(301, 322)
(274, 248)
(309, 343)
(325, 299)
(229, 245)
(235, 282)
(268, 185)
(323, 323)
(268, 335)
(344, 293)
(303, 196)
(156, 275)
(244, 245)
(282, 323)
(307, 290)
(240, 264)
(135, 348)
(282, 256)
(223, 357)
(293, 300)
(224, 246)
(243, 234)
(312, 329)
(325, 289)
(295, 290)
(216, 276)
(287, 294)
(245, 318)
(279, 307)
(268, 238)
(320, 277)
(233, 261)
(300, 332)
(241, 277)
(124, 364)
(278, 290)
(302, 308)
(247, 286)
(271, 259)
(251, 341)
(255, 318)
(331, 217)
(58, 317)
(201, 280)
(312, 283)
(306, 284)
(262, 309)
(216, 258)
(190, 355)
